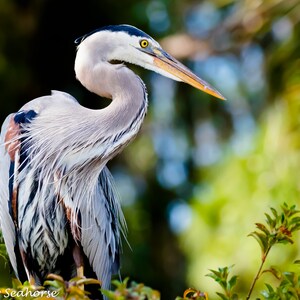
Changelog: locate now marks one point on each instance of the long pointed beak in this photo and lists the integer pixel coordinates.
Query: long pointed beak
(170, 65)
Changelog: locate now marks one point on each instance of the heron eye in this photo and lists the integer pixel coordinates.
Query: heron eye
(144, 43)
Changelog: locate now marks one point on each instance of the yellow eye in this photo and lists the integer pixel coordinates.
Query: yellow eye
(144, 43)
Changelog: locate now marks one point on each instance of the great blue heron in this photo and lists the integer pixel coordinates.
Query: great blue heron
(59, 211)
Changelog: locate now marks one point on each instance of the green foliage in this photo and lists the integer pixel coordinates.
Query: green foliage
(278, 230)
(135, 291)
(54, 288)
(288, 288)
(3, 253)
(221, 276)
(72, 289)
(24, 291)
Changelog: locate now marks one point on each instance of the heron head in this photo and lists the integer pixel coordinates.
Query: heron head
(128, 43)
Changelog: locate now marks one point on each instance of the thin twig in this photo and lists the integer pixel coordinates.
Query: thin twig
(264, 256)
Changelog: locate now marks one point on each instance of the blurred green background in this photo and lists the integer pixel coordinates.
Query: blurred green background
(202, 171)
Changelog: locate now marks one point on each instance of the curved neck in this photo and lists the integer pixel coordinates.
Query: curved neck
(118, 83)
(121, 119)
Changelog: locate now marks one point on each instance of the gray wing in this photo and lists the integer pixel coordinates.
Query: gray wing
(102, 224)
(6, 221)
(10, 131)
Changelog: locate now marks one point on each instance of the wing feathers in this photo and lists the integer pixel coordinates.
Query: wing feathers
(7, 224)
(101, 227)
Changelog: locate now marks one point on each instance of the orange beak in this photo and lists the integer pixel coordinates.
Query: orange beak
(170, 65)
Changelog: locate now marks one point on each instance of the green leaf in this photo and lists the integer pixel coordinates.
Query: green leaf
(261, 239)
(232, 282)
(87, 281)
(270, 221)
(108, 294)
(263, 228)
(274, 212)
(222, 296)
(16, 283)
(269, 287)
(54, 283)
(214, 275)
(55, 277)
(297, 261)
(274, 271)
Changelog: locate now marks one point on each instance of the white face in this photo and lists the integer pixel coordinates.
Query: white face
(136, 50)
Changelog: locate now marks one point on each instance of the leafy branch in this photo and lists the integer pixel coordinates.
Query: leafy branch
(288, 288)
(221, 276)
(134, 291)
(278, 230)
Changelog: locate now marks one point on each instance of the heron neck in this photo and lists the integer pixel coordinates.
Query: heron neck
(118, 83)
(121, 120)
